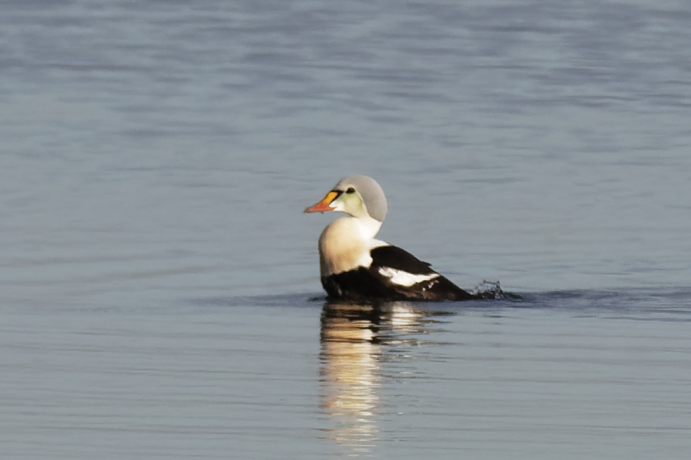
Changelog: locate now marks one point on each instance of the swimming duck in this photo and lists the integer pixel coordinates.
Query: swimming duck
(354, 264)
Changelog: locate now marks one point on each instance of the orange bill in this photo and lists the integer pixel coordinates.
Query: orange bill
(323, 205)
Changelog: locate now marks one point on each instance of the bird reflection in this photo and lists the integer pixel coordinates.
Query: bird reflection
(355, 340)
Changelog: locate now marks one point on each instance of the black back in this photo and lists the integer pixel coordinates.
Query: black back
(369, 283)
(399, 259)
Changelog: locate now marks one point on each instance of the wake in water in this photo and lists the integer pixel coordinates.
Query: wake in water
(491, 290)
(662, 303)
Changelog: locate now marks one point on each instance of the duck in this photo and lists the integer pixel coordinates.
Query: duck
(353, 264)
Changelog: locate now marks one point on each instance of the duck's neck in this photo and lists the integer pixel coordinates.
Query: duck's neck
(368, 227)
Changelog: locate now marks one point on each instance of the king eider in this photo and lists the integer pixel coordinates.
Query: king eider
(353, 264)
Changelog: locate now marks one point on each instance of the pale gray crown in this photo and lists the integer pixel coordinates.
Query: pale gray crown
(370, 191)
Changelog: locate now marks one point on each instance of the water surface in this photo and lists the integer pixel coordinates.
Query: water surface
(160, 294)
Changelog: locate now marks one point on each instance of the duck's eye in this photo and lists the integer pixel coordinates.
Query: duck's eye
(350, 190)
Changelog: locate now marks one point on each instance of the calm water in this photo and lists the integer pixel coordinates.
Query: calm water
(159, 284)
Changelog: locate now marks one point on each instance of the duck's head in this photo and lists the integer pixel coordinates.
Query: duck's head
(359, 196)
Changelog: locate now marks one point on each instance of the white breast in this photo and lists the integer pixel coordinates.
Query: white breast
(345, 245)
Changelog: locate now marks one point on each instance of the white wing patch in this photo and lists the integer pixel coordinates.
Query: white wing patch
(404, 278)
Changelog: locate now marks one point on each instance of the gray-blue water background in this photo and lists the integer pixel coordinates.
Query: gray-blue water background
(159, 292)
